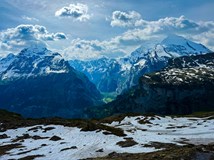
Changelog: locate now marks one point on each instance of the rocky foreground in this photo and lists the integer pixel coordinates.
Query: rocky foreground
(117, 137)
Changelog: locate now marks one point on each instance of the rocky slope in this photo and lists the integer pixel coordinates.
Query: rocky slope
(117, 75)
(102, 72)
(186, 85)
(38, 83)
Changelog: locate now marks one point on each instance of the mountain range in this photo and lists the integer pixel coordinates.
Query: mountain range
(176, 73)
(118, 75)
(184, 86)
(40, 83)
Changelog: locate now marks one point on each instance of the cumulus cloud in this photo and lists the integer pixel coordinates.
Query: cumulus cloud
(200, 31)
(92, 49)
(83, 49)
(173, 24)
(77, 11)
(147, 32)
(125, 19)
(164, 25)
(23, 35)
(53, 36)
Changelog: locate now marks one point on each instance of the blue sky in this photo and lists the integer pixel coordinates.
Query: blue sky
(86, 29)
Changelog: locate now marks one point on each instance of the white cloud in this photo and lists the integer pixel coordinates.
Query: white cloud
(147, 31)
(53, 36)
(83, 49)
(164, 25)
(125, 19)
(30, 18)
(77, 11)
(206, 38)
(23, 35)
(143, 32)
(200, 31)
(173, 24)
(92, 49)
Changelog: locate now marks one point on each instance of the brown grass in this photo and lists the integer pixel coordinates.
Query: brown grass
(172, 153)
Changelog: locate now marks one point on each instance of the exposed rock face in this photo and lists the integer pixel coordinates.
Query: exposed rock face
(104, 73)
(40, 83)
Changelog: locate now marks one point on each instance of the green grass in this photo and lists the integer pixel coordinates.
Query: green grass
(107, 100)
(109, 97)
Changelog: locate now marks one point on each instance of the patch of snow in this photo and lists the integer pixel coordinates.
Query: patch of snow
(141, 62)
(5, 62)
(159, 129)
(48, 70)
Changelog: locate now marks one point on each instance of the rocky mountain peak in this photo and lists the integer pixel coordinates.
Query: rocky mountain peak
(180, 46)
(174, 39)
(33, 61)
(149, 57)
(35, 49)
(39, 83)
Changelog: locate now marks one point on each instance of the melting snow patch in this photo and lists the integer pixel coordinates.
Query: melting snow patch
(72, 143)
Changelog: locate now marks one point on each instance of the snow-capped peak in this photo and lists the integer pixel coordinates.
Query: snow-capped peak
(38, 47)
(120, 74)
(143, 49)
(174, 39)
(6, 61)
(32, 61)
(172, 46)
(180, 46)
(35, 49)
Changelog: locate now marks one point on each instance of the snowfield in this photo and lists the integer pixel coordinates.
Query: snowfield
(54, 142)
